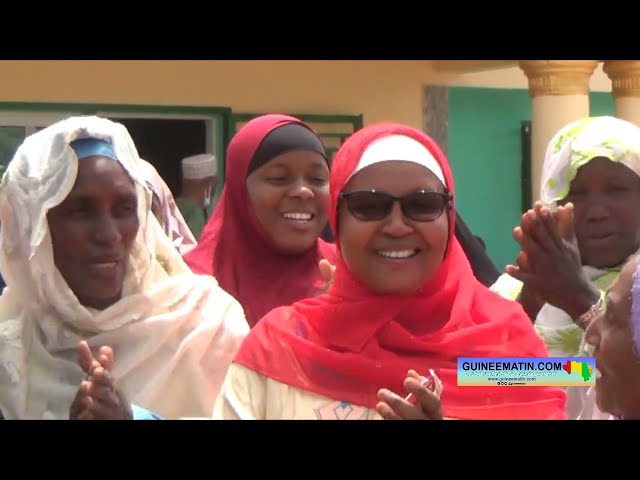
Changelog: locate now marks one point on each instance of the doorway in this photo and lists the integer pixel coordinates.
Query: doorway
(165, 142)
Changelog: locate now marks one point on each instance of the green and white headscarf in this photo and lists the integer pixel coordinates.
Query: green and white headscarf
(580, 142)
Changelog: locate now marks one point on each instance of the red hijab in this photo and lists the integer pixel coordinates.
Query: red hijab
(236, 249)
(349, 343)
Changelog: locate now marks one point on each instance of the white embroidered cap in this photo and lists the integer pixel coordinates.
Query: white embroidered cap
(198, 167)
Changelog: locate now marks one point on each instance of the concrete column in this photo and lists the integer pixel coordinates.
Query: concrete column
(560, 95)
(625, 87)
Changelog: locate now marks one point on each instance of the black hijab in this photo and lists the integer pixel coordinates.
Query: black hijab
(483, 268)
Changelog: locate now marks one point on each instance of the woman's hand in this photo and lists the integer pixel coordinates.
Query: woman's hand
(425, 392)
(549, 264)
(327, 271)
(97, 397)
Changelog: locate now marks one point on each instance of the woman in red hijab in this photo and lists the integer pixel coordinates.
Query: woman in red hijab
(403, 300)
(262, 242)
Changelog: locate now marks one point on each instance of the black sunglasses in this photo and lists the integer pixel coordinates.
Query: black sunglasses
(420, 206)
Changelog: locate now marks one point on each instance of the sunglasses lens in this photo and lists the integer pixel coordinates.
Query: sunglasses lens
(424, 206)
(418, 206)
(369, 205)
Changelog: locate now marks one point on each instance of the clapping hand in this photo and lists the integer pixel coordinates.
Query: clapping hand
(549, 264)
(422, 403)
(97, 397)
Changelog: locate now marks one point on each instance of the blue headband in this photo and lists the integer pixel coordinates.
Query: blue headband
(91, 147)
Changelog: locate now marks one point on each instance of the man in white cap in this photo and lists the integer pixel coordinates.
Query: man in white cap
(199, 181)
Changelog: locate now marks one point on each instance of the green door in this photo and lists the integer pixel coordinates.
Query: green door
(489, 143)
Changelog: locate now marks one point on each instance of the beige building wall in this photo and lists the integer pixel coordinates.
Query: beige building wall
(380, 90)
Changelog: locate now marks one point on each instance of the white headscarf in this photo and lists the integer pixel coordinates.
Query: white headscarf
(173, 333)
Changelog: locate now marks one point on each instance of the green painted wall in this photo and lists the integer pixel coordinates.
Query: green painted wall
(485, 152)
(601, 103)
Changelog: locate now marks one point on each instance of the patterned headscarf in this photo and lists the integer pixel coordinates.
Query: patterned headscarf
(173, 222)
(580, 142)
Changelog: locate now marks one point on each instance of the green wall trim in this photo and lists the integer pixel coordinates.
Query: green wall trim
(92, 108)
(356, 120)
